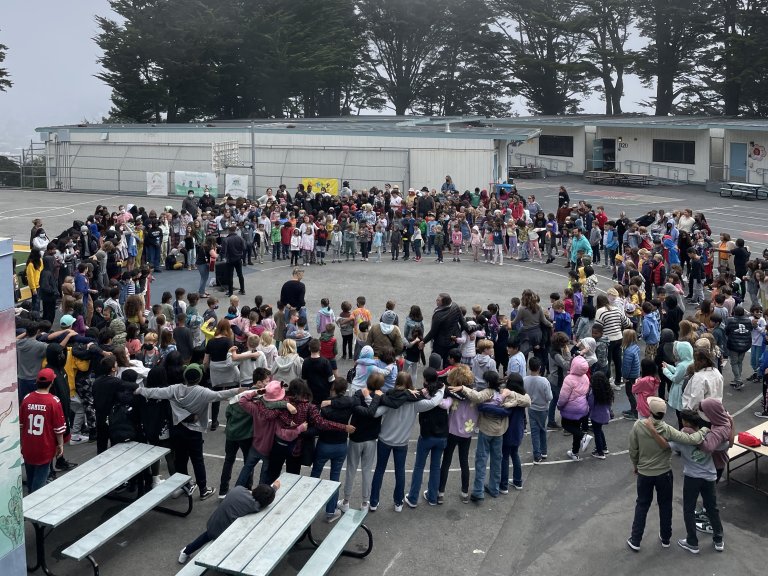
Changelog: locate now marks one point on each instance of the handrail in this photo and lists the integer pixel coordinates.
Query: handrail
(719, 172)
(661, 171)
(763, 173)
(551, 164)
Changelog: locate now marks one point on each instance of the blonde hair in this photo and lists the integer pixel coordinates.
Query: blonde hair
(266, 338)
(628, 337)
(288, 346)
(150, 337)
(483, 345)
(253, 341)
(461, 376)
(234, 300)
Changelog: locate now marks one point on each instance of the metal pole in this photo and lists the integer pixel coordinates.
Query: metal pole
(253, 161)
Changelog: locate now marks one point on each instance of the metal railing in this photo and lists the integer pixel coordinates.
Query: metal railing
(719, 173)
(669, 174)
(553, 166)
(763, 173)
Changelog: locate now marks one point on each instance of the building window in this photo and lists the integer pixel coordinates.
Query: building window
(556, 145)
(674, 151)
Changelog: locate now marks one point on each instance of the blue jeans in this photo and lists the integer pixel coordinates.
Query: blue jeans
(538, 420)
(509, 451)
(37, 475)
(251, 460)
(336, 453)
(382, 459)
(204, 273)
(600, 444)
(487, 446)
(755, 354)
(433, 447)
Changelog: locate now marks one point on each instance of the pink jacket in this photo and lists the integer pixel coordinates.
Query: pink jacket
(643, 388)
(572, 401)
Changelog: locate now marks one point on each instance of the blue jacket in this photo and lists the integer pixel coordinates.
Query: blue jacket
(610, 240)
(580, 243)
(630, 364)
(563, 323)
(651, 328)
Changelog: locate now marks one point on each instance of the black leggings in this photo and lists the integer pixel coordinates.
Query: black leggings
(346, 345)
(282, 453)
(574, 427)
(445, 467)
(188, 445)
(614, 357)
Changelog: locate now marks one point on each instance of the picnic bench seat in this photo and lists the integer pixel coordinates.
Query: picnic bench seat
(192, 569)
(85, 547)
(332, 547)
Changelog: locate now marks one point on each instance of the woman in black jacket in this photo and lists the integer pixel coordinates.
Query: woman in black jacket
(48, 289)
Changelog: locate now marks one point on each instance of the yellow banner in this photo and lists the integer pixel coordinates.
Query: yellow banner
(331, 185)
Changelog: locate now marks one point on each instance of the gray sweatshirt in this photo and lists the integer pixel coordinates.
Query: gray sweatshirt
(481, 364)
(396, 423)
(188, 401)
(540, 391)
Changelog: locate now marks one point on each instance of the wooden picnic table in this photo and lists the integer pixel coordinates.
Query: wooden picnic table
(253, 545)
(743, 190)
(57, 502)
(740, 450)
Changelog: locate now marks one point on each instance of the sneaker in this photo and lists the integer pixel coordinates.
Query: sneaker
(223, 494)
(190, 487)
(554, 426)
(598, 455)
(157, 480)
(683, 543)
(719, 546)
(207, 493)
(427, 499)
(331, 518)
(763, 415)
(475, 499)
(504, 491)
(398, 507)
(214, 425)
(465, 497)
(572, 456)
(342, 505)
(488, 491)
(664, 543)
(632, 545)
(704, 527)
(407, 501)
(365, 506)
(585, 440)
(517, 486)
(372, 507)
(440, 497)
(77, 439)
(183, 557)
(538, 459)
(543, 456)
(629, 415)
(63, 465)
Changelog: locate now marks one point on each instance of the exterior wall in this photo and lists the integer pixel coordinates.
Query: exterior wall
(12, 556)
(523, 154)
(757, 169)
(639, 149)
(119, 162)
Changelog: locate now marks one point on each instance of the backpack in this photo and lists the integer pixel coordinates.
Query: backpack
(121, 427)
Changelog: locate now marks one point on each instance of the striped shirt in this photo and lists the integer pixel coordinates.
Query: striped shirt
(612, 320)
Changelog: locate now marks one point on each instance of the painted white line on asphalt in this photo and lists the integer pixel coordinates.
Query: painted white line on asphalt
(392, 563)
(748, 406)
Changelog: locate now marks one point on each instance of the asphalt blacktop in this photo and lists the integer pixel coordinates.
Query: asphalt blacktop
(571, 517)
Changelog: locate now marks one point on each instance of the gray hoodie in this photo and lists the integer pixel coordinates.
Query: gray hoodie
(481, 364)
(396, 424)
(188, 401)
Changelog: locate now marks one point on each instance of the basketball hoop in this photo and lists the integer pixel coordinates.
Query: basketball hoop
(225, 154)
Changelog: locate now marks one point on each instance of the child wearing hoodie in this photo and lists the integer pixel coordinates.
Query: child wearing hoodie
(462, 419)
(600, 400)
(573, 406)
(513, 437)
(630, 369)
(467, 341)
(346, 328)
(475, 242)
(365, 365)
(651, 329)
(683, 353)
(336, 242)
(483, 362)
(646, 386)
(324, 316)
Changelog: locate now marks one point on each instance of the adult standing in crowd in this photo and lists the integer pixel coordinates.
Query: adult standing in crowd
(233, 249)
(292, 294)
(447, 322)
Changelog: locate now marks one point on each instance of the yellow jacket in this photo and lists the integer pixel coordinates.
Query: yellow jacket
(33, 276)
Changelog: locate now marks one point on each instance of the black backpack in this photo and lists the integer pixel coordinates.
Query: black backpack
(121, 427)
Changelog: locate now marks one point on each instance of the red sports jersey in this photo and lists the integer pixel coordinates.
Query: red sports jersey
(41, 418)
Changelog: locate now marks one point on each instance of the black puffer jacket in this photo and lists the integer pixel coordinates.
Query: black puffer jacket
(447, 321)
(738, 332)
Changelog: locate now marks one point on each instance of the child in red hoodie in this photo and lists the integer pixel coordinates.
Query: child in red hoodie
(646, 386)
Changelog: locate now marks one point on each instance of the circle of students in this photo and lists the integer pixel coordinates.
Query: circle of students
(119, 368)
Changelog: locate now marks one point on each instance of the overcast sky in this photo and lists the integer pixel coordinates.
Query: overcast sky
(52, 61)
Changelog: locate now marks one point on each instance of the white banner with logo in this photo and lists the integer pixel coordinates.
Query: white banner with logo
(157, 183)
(198, 182)
(236, 185)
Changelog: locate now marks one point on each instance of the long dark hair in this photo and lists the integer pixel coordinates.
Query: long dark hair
(299, 390)
(35, 258)
(601, 389)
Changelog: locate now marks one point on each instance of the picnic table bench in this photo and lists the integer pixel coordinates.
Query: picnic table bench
(618, 178)
(523, 171)
(253, 545)
(72, 493)
(738, 451)
(743, 190)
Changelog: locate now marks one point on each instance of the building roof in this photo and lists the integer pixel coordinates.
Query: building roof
(517, 129)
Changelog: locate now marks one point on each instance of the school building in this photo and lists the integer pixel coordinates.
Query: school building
(408, 151)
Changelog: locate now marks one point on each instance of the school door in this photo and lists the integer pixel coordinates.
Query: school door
(737, 165)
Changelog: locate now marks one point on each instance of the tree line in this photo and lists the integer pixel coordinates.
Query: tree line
(193, 60)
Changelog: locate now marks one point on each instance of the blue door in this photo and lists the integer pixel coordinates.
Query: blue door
(738, 162)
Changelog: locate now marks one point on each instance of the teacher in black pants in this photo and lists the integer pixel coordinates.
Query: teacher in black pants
(233, 249)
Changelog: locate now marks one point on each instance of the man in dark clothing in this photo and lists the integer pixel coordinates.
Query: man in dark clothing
(317, 373)
(190, 204)
(447, 322)
(738, 333)
(233, 250)
(106, 388)
(239, 502)
(182, 335)
(292, 294)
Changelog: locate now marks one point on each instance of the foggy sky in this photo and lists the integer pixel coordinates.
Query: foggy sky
(52, 61)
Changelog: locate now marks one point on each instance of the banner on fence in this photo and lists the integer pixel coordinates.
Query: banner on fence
(236, 185)
(157, 183)
(198, 182)
(331, 185)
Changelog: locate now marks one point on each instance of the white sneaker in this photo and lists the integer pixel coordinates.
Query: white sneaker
(342, 505)
(586, 439)
(78, 439)
(331, 518)
(183, 557)
(157, 480)
(572, 456)
(398, 507)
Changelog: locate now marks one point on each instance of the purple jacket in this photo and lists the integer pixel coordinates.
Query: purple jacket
(462, 418)
(572, 402)
(600, 413)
